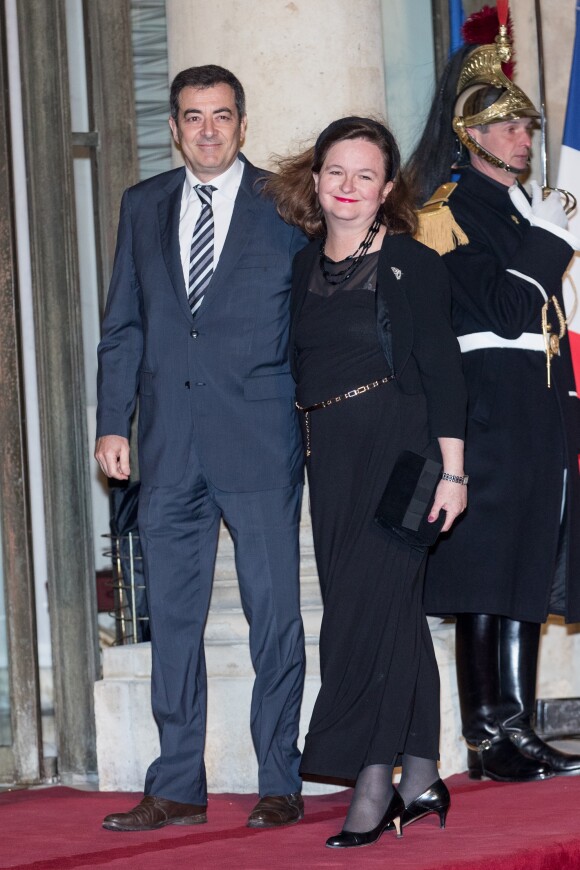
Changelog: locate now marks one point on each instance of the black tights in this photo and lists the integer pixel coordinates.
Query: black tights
(374, 790)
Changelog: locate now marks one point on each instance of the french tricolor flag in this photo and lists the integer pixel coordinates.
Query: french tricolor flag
(569, 179)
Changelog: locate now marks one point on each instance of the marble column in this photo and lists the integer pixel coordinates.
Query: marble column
(302, 63)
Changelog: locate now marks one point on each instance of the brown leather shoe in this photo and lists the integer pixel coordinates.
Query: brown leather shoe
(155, 812)
(274, 811)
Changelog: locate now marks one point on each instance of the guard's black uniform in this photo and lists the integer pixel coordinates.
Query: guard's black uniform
(522, 437)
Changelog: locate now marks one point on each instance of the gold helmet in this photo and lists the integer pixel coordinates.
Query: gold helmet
(486, 96)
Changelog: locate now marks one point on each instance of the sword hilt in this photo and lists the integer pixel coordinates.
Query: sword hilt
(568, 199)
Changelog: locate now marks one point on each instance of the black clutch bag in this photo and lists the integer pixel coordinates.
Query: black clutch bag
(408, 498)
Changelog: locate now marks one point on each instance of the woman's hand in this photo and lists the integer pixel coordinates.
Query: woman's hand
(452, 498)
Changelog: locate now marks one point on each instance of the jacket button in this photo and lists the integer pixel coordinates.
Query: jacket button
(194, 333)
(187, 385)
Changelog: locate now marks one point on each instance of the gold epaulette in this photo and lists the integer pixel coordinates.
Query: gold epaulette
(438, 228)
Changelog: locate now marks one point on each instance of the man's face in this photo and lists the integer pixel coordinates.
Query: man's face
(208, 130)
(511, 141)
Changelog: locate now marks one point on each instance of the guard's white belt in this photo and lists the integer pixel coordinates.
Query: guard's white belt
(481, 340)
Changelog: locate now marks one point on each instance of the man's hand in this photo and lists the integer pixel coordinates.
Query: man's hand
(547, 214)
(112, 454)
(549, 209)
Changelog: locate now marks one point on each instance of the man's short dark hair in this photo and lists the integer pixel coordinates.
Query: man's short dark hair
(206, 77)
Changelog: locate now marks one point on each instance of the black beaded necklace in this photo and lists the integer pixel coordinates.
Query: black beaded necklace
(355, 259)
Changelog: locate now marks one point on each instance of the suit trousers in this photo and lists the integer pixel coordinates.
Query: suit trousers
(179, 528)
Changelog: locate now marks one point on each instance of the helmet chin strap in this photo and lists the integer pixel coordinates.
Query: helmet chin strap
(476, 148)
(496, 161)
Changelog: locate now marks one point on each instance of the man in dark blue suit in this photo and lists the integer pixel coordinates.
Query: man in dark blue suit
(196, 326)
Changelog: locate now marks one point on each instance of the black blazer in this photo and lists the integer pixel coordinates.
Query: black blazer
(413, 293)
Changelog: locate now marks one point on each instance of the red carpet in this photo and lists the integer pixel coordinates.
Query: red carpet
(490, 827)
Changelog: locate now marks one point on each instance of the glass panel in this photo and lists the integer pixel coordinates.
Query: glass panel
(409, 68)
(151, 71)
(5, 724)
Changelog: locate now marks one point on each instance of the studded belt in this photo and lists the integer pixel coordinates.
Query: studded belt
(358, 391)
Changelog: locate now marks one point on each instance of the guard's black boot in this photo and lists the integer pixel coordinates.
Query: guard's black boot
(519, 644)
(491, 752)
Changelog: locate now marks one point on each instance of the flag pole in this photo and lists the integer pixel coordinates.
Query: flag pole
(542, 84)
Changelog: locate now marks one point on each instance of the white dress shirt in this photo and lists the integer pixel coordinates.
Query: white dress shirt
(223, 199)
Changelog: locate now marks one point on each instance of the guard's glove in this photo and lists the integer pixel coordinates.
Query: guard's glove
(549, 209)
(547, 214)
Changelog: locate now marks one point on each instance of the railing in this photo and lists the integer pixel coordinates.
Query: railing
(128, 586)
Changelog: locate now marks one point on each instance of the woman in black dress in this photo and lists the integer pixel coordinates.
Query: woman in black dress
(370, 331)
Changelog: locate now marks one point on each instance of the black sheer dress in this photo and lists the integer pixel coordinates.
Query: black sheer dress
(380, 684)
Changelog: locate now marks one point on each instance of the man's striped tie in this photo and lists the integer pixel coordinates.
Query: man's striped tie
(201, 254)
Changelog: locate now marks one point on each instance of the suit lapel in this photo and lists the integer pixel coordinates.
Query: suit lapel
(168, 212)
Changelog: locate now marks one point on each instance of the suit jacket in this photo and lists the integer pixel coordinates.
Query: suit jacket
(413, 295)
(221, 382)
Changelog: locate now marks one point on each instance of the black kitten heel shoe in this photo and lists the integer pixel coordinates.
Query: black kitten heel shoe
(392, 818)
(436, 799)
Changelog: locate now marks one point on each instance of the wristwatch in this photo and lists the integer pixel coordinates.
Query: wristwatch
(456, 478)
